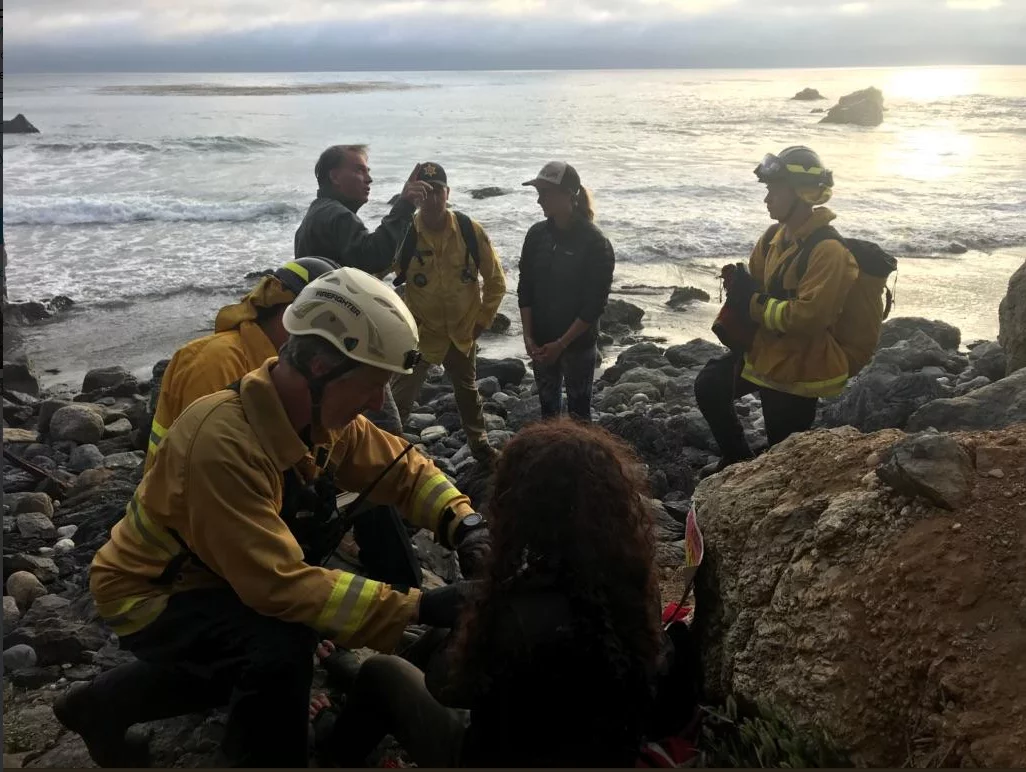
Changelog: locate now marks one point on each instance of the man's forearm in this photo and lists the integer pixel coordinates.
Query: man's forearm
(526, 322)
(577, 329)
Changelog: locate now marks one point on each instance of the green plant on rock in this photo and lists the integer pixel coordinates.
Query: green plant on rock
(762, 739)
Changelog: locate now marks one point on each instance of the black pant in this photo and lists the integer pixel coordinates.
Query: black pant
(720, 383)
(575, 369)
(390, 697)
(208, 649)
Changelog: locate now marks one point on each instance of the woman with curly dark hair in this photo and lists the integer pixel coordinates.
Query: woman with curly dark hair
(553, 661)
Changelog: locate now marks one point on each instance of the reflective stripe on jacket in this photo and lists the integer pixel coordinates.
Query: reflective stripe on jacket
(795, 350)
(217, 482)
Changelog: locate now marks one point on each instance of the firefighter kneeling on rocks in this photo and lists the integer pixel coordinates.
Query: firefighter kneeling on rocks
(207, 579)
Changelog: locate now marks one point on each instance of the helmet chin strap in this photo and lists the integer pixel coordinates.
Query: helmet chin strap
(317, 383)
(794, 205)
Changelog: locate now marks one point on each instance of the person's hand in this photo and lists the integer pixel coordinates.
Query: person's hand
(478, 331)
(474, 551)
(415, 191)
(549, 353)
(741, 289)
(441, 606)
(530, 347)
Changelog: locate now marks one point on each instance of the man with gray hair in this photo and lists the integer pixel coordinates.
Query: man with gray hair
(332, 229)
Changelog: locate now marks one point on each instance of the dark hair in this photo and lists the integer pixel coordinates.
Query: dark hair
(334, 157)
(567, 502)
(299, 351)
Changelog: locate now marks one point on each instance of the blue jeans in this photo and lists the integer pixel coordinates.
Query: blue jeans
(575, 369)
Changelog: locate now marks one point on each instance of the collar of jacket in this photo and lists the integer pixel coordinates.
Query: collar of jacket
(450, 224)
(820, 216)
(576, 221)
(267, 417)
(334, 195)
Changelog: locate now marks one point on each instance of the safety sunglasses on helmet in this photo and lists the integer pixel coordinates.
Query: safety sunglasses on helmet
(773, 168)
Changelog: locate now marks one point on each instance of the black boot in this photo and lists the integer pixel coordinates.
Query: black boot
(103, 711)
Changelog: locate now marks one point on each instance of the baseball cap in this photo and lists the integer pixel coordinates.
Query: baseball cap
(558, 173)
(432, 173)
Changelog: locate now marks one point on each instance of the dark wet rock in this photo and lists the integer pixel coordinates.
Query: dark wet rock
(19, 124)
(489, 387)
(988, 359)
(19, 376)
(992, 407)
(85, 457)
(1012, 321)
(508, 371)
(44, 569)
(18, 657)
(524, 412)
(930, 465)
(881, 397)
(682, 297)
(76, 423)
(694, 353)
(917, 352)
(807, 95)
(904, 327)
(30, 502)
(35, 525)
(861, 108)
(35, 677)
(56, 637)
(489, 192)
(620, 312)
(500, 325)
(113, 381)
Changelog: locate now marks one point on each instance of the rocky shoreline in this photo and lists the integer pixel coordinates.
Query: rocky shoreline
(817, 552)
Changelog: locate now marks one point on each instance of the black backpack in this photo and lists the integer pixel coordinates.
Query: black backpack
(871, 257)
(408, 249)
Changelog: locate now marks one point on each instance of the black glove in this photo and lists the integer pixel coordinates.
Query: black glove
(474, 550)
(441, 606)
(741, 289)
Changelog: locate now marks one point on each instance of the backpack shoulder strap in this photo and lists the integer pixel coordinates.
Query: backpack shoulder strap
(404, 254)
(824, 233)
(469, 234)
(767, 237)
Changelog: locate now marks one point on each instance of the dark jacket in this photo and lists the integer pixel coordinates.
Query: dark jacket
(550, 699)
(331, 229)
(565, 276)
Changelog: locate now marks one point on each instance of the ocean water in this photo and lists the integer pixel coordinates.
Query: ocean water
(148, 198)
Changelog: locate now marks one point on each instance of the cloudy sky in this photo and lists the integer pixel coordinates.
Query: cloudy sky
(321, 35)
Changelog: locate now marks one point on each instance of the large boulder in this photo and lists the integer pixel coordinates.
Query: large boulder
(113, 381)
(682, 297)
(807, 95)
(509, 371)
(991, 407)
(929, 465)
(489, 192)
(19, 376)
(694, 353)
(81, 424)
(19, 124)
(52, 629)
(861, 108)
(904, 327)
(988, 359)
(24, 588)
(852, 608)
(1012, 320)
(920, 351)
(621, 312)
(881, 397)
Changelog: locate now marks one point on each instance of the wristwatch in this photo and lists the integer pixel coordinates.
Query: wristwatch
(471, 522)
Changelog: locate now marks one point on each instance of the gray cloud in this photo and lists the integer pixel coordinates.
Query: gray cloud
(267, 35)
